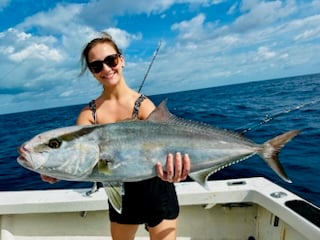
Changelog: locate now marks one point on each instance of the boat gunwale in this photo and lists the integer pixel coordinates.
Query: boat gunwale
(257, 190)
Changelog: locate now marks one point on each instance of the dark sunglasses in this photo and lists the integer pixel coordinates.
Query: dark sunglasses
(111, 61)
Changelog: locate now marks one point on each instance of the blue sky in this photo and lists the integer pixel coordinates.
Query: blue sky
(204, 43)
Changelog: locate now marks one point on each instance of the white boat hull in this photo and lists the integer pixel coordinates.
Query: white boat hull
(250, 209)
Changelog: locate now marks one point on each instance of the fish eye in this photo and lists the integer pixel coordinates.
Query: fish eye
(54, 143)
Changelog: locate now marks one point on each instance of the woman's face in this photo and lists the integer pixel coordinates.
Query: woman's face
(105, 65)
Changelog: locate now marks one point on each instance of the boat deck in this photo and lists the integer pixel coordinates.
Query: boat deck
(251, 208)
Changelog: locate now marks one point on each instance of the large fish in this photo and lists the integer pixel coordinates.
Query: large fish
(128, 151)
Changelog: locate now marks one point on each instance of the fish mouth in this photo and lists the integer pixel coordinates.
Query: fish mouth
(23, 158)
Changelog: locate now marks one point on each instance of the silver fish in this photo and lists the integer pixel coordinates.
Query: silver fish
(127, 151)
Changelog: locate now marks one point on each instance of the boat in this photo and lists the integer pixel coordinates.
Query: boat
(246, 209)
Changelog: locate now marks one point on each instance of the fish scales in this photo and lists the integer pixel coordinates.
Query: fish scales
(133, 150)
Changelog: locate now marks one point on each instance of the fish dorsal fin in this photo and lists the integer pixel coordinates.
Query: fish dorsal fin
(115, 193)
(161, 113)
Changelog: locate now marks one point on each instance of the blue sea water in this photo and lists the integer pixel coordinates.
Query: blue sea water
(284, 104)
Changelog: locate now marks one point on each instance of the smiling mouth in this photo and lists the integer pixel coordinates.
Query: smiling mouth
(109, 75)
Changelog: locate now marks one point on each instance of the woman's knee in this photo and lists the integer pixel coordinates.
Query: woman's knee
(166, 230)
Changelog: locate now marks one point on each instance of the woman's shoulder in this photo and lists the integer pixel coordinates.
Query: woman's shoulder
(85, 116)
(146, 107)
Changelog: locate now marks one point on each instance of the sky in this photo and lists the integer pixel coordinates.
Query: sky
(203, 43)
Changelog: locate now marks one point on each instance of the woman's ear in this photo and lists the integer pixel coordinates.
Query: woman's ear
(123, 62)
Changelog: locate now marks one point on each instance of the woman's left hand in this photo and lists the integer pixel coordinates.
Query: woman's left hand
(176, 169)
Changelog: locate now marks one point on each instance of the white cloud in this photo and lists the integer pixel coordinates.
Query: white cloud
(258, 14)
(309, 28)
(4, 4)
(45, 64)
(123, 38)
(67, 93)
(232, 9)
(40, 56)
(264, 53)
(58, 20)
(5, 50)
(23, 54)
(308, 34)
(101, 13)
(190, 29)
(39, 51)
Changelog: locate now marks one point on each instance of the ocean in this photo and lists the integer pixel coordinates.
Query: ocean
(260, 110)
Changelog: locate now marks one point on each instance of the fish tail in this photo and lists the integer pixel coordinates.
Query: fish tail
(271, 149)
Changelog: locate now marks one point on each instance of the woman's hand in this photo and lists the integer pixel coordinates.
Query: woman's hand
(176, 169)
(48, 179)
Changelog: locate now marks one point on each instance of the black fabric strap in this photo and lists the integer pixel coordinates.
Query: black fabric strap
(137, 105)
(135, 112)
(93, 108)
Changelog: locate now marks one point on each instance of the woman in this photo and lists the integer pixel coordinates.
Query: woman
(152, 202)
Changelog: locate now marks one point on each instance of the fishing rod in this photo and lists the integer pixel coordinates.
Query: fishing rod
(268, 118)
(150, 65)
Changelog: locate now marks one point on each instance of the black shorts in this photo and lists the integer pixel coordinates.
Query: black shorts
(147, 202)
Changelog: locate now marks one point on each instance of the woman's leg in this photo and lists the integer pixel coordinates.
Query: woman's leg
(166, 230)
(123, 231)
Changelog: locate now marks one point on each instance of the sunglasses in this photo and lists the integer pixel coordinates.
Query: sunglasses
(111, 61)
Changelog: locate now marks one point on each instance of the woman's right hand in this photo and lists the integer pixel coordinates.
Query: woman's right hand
(176, 169)
(48, 179)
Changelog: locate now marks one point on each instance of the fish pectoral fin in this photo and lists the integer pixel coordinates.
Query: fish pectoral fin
(201, 176)
(104, 166)
(115, 194)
